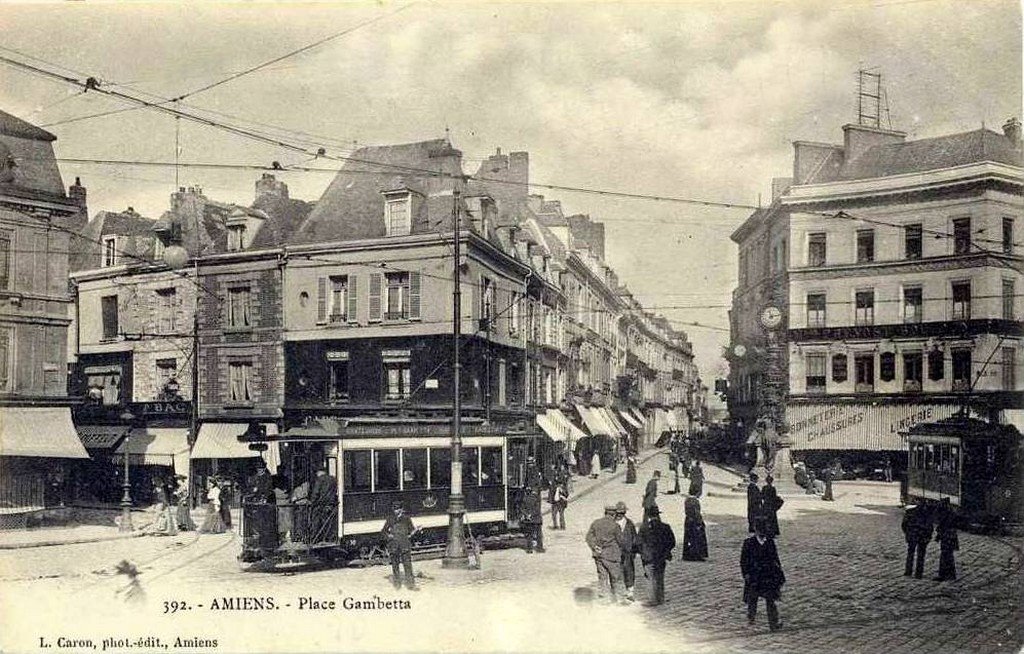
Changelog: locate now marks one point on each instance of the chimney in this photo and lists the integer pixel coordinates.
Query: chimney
(270, 186)
(77, 193)
(1011, 128)
(779, 186)
(858, 139)
(815, 162)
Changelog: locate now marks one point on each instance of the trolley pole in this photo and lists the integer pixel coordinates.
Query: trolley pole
(455, 555)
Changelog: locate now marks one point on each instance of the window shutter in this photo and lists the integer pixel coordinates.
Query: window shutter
(375, 292)
(414, 295)
(353, 289)
(477, 310)
(321, 300)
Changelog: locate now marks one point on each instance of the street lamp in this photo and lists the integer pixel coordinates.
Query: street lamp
(126, 499)
(176, 257)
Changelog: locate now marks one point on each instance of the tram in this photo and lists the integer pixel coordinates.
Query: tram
(370, 466)
(976, 464)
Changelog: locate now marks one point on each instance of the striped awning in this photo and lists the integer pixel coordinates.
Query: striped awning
(101, 437)
(613, 422)
(595, 425)
(639, 415)
(630, 420)
(156, 446)
(575, 433)
(670, 420)
(219, 440)
(39, 432)
(554, 431)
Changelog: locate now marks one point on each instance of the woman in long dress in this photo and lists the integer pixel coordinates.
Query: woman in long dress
(595, 465)
(184, 514)
(695, 537)
(212, 523)
(696, 480)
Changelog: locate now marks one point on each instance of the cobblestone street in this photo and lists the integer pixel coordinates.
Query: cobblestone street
(845, 589)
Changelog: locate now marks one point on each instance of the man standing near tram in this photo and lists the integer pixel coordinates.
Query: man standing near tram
(397, 533)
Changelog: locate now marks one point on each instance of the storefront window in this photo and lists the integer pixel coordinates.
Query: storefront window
(357, 470)
(414, 468)
(386, 469)
(490, 466)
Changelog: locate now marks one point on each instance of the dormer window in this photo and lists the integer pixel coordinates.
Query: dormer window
(398, 213)
(109, 252)
(236, 238)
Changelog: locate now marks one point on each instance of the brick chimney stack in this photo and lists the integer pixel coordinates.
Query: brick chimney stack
(77, 193)
(270, 186)
(1012, 131)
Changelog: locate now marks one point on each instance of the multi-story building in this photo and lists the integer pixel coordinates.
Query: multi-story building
(903, 273)
(38, 442)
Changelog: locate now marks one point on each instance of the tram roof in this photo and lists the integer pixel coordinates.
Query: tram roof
(964, 427)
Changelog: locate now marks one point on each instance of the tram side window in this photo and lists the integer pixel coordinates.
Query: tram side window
(414, 468)
(386, 469)
(490, 466)
(440, 467)
(929, 457)
(471, 466)
(357, 470)
(954, 459)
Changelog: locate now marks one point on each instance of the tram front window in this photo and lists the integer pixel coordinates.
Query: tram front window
(357, 471)
(386, 470)
(471, 466)
(414, 468)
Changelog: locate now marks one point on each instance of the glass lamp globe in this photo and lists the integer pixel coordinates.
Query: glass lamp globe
(176, 256)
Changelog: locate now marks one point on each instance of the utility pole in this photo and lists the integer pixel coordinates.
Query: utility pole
(193, 427)
(455, 555)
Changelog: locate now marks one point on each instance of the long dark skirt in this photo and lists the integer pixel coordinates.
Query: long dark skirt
(212, 523)
(695, 540)
(696, 487)
(184, 517)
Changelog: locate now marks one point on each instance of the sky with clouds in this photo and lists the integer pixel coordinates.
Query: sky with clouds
(688, 99)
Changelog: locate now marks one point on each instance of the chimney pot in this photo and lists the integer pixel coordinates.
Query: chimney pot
(1012, 130)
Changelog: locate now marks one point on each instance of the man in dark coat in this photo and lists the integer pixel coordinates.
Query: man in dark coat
(323, 500)
(655, 543)
(754, 502)
(949, 542)
(770, 505)
(629, 546)
(261, 486)
(532, 520)
(917, 530)
(605, 541)
(397, 534)
(762, 574)
(651, 493)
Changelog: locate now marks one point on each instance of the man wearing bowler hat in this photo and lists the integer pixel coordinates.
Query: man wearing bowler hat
(655, 542)
(397, 533)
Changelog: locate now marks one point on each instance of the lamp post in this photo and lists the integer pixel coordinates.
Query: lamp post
(126, 499)
(176, 257)
(455, 554)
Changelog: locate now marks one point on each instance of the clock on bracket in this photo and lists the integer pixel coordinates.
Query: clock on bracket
(771, 317)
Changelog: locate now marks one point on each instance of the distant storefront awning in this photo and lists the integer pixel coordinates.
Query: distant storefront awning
(101, 437)
(575, 433)
(613, 422)
(630, 420)
(39, 432)
(554, 431)
(835, 426)
(595, 425)
(660, 421)
(640, 417)
(219, 440)
(670, 420)
(156, 446)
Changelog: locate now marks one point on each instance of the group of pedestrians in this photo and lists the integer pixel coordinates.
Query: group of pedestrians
(763, 576)
(615, 541)
(919, 522)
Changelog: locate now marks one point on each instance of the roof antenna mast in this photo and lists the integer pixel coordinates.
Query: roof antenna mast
(869, 98)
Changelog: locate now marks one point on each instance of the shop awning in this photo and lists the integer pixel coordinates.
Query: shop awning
(219, 440)
(660, 421)
(670, 420)
(613, 422)
(630, 420)
(101, 437)
(39, 432)
(593, 421)
(575, 433)
(156, 446)
(554, 431)
(862, 426)
(639, 415)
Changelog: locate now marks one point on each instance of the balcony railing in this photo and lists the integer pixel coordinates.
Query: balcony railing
(396, 315)
(269, 526)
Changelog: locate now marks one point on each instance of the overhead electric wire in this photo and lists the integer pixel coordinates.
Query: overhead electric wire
(242, 73)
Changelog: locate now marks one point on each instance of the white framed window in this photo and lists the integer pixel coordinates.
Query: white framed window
(6, 357)
(913, 304)
(109, 252)
(6, 238)
(166, 370)
(167, 305)
(237, 238)
(961, 292)
(396, 296)
(337, 301)
(864, 307)
(397, 375)
(1009, 356)
(816, 308)
(239, 315)
(398, 215)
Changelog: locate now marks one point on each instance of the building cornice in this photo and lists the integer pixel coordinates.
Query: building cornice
(946, 329)
(904, 183)
(902, 266)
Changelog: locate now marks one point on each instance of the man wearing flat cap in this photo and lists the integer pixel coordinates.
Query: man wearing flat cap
(397, 533)
(629, 545)
(605, 541)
